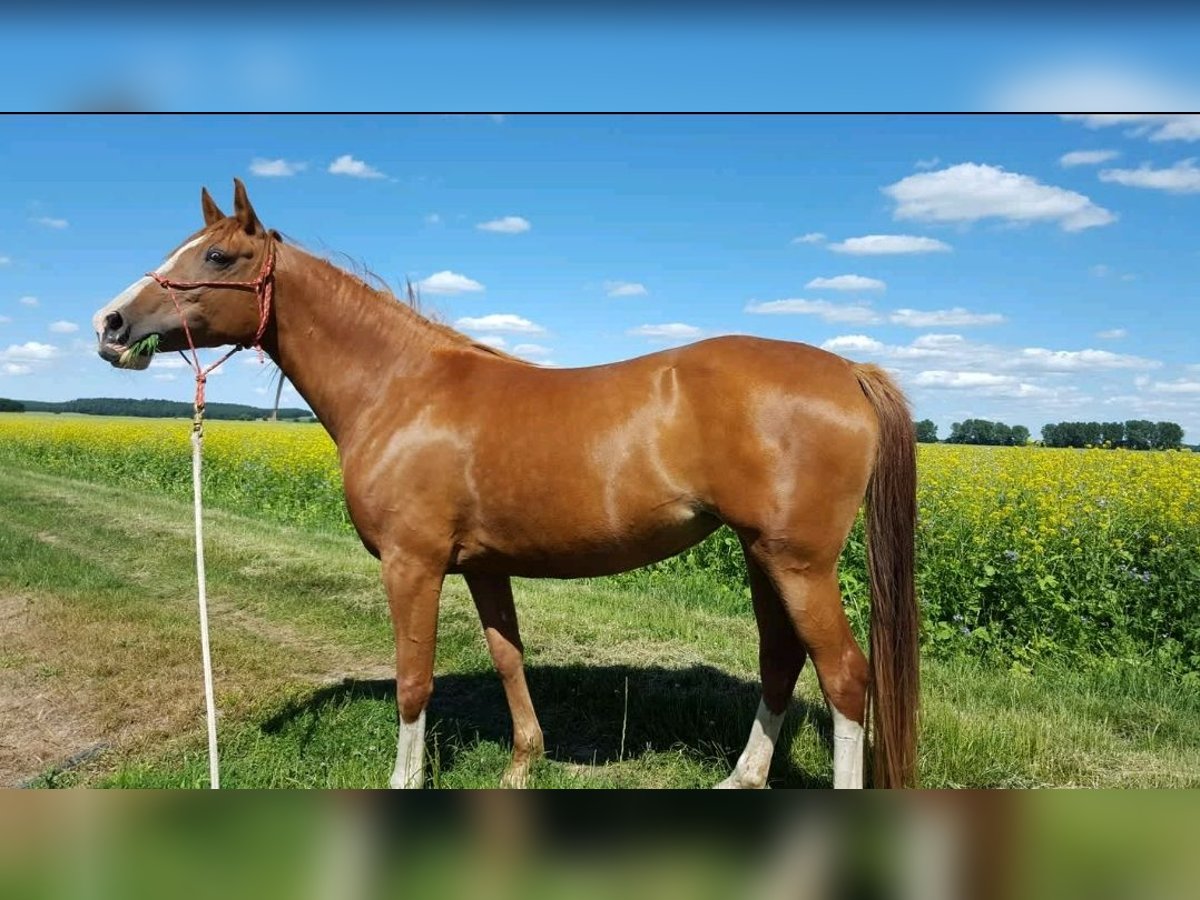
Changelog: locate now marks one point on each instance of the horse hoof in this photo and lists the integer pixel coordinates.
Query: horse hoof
(515, 777)
(735, 784)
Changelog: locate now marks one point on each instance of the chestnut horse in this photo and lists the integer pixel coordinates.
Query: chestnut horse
(457, 458)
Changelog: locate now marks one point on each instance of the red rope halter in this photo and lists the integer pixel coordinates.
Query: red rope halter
(264, 290)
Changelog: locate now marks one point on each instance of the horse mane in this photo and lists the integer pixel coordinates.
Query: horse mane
(411, 303)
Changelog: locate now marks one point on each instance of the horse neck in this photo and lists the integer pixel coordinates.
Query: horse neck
(340, 343)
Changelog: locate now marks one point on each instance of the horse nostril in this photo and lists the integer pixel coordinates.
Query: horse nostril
(113, 322)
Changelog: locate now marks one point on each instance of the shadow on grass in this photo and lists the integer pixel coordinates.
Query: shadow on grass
(700, 710)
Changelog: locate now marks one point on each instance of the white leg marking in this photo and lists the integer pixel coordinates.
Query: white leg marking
(410, 755)
(847, 751)
(755, 761)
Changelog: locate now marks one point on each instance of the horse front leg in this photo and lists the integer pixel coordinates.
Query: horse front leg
(494, 600)
(414, 589)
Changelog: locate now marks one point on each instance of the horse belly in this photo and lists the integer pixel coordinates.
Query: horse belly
(581, 547)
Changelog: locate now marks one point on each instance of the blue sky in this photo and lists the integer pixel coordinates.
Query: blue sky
(1032, 288)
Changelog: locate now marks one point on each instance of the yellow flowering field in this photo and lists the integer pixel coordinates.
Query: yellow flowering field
(1021, 551)
(286, 470)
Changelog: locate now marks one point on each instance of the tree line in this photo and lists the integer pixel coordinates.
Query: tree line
(1134, 434)
(153, 409)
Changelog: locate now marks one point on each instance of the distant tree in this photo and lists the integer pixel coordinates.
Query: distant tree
(926, 431)
(983, 431)
(1020, 435)
(7, 405)
(1167, 436)
(1112, 433)
(1139, 434)
(1136, 434)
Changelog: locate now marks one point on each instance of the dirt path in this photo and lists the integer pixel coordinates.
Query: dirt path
(92, 671)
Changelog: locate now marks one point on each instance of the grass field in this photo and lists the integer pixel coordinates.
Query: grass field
(638, 682)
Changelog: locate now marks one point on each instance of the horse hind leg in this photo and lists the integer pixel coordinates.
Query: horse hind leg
(494, 601)
(813, 600)
(780, 659)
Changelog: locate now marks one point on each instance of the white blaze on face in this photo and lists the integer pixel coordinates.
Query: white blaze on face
(126, 296)
(409, 771)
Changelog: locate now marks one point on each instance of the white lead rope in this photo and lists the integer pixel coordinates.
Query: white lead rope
(210, 711)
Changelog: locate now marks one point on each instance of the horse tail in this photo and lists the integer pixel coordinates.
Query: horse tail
(891, 532)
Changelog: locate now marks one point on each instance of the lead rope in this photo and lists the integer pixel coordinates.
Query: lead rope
(263, 287)
(210, 710)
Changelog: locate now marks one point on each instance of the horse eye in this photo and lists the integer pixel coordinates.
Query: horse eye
(216, 256)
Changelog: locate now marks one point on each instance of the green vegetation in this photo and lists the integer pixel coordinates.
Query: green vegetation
(302, 650)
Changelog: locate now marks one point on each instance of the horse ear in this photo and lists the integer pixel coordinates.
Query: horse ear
(212, 212)
(243, 210)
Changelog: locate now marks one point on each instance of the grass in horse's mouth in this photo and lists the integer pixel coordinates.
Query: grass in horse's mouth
(144, 347)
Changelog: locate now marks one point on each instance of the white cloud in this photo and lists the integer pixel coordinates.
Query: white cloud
(355, 168)
(847, 283)
(852, 342)
(4, 320)
(276, 168)
(1100, 270)
(625, 289)
(1179, 386)
(829, 312)
(938, 361)
(31, 351)
(506, 322)
(1087, 157)
(433, 219)
(5, 260)
(927, 163)
(939, 318)
(165, 376)
(1181, 178)
(447, 282)
(492, 340)
(28, 301)
(505, 225)
(63, 327)
(1074, 360)
(52, 222)
(943, 378)
(16, 369)
(670, 331)
(531, 350)
(969, 192)
(1112, 334)
(1155, 126)
(813, 237)
(877, 244)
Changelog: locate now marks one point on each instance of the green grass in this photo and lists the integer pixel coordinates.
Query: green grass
(302, 652)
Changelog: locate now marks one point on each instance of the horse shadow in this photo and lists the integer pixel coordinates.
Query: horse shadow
(593, 715)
